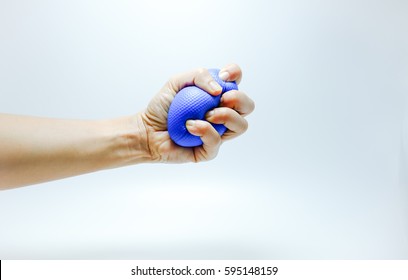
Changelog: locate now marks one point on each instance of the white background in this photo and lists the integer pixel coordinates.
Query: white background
(320, 174)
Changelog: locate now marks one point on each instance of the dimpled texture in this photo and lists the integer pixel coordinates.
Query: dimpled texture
(192, 103)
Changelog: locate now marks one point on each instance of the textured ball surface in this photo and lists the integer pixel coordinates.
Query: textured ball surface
(192, 103)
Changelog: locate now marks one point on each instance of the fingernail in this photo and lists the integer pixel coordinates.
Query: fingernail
(209, 114)
(224, 75)
(215, 86)
(190, 123)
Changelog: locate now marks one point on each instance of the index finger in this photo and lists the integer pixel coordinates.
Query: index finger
(199, 77)
(231, 72)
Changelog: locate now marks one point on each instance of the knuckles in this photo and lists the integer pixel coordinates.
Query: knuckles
(244, 125)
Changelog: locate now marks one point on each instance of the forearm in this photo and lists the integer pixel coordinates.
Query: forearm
(34, 150)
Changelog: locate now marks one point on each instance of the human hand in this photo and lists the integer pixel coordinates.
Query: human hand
(44, 149)
(234, 106)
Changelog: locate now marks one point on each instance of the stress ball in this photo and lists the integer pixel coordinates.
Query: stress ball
(192, 103)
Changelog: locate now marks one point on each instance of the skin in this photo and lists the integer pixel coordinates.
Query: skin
(35, 150)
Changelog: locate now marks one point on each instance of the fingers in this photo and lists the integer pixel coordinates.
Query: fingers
(235, 123)
(228, 117)
(202, 78)
(234, 106)
(199, 77)
(210, 137)
(231, 72)
(238, 101)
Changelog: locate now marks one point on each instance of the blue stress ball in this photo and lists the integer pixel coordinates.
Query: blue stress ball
(192, 103)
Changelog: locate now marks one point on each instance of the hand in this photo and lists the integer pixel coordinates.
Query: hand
(234, 106)
(35, 149)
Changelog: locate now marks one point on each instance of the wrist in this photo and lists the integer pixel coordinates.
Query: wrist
(131, 141)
